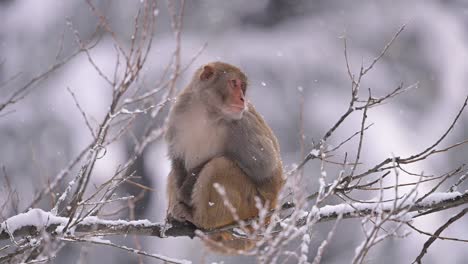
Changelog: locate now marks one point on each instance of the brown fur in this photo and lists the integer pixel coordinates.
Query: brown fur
(208, 146)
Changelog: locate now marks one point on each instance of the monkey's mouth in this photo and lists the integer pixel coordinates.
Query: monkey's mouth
(234, 111)
(238, 107)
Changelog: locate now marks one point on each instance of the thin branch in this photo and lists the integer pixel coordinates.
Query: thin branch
(132, 250)
(83, 114)
(437, 234)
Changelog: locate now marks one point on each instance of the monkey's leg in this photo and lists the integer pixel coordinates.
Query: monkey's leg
(176, 209)
(208, 206)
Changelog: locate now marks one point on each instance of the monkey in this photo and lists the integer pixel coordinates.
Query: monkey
(215, 136)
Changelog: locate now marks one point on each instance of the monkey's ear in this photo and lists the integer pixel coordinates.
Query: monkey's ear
(207, 73)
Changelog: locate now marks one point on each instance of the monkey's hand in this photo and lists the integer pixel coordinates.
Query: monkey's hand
(180, 212)
(184, 193)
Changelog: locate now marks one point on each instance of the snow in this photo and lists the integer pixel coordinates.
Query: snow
(99, 239)
(315, 152)
(438, 197)
(305, 244)
(96, 220)
(329, 210)
(34, 217)
(40, 218)
(164, 228)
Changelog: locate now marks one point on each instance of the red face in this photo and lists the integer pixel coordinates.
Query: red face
(236, 101)
(229, 87)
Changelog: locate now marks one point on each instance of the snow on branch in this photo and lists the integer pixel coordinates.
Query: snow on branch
(435, 201)
(36, 220)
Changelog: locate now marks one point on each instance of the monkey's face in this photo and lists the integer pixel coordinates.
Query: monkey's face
(223, 89)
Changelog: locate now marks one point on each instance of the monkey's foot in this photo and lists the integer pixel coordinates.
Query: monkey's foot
(181, 213)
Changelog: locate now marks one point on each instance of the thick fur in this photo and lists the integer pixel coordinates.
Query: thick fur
(208, 147)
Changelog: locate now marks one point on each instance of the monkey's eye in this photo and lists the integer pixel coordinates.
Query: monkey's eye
(244, 87)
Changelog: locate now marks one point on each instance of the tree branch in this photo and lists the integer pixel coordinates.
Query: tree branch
(36, 220)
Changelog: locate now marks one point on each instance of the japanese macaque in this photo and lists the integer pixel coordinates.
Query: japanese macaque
(216, 137)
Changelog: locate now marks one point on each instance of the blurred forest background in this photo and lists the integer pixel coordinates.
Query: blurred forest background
(289, 49)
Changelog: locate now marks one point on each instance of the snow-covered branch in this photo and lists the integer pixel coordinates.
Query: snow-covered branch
(434, 202)
(37, 220)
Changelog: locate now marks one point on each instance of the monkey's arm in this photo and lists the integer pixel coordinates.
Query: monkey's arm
(184, 193)
(178, 172)
(255, 149)
(177, 208)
